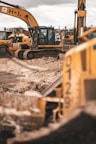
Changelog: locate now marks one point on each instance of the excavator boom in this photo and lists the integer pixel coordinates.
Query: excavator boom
(19, 12)
(80, 20)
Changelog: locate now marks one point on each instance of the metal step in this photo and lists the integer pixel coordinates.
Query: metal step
(51, 87)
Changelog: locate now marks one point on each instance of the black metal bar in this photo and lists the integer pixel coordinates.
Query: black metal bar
(16, 6)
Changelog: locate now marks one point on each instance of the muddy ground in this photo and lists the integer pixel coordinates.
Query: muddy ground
(21, 76)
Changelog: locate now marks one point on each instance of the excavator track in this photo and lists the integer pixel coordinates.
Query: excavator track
(19, 54)
(38, 53)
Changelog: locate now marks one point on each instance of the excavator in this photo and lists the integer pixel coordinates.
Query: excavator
(19, 40)
(70, 102)
(43, 38)
(11, 39)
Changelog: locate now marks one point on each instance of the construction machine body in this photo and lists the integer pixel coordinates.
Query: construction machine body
(19, 42)
(12, 40)
(79, 76)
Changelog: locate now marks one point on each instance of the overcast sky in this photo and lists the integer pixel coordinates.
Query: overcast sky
(58, 13)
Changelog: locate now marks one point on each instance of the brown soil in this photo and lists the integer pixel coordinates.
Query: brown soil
(19, 76)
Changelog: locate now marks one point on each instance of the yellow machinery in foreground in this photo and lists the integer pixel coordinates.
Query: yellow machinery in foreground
(73, 102)
(43, 38)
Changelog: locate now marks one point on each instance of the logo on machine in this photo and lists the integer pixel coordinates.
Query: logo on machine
(4, 9)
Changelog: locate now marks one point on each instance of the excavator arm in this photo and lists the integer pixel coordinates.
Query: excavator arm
(18, 12)
(80, 20)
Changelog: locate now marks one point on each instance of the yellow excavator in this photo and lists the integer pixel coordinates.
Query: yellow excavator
(43, 38)
(12, 39)
(19, 40)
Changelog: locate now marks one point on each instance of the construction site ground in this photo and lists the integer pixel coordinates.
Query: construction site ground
(21, 76)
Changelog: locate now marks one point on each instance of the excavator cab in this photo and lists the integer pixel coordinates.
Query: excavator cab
(44, 36)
